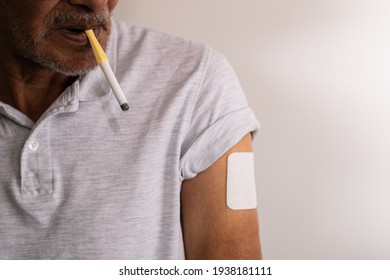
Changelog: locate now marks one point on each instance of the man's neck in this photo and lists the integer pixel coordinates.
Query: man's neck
(28, 87)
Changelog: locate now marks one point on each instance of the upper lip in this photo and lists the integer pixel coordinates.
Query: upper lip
(81, 26)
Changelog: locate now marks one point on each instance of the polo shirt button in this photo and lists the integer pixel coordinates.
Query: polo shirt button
(33, 146)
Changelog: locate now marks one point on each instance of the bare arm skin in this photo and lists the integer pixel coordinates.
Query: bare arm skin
(212, 230)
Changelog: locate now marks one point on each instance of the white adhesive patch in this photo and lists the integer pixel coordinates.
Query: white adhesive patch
(241, 186)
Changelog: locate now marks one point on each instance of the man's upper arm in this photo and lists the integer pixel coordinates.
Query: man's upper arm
(211, 229)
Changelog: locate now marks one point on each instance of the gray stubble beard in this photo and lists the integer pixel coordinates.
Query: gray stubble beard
(27, 47)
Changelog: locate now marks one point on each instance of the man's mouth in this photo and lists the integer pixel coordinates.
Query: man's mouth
(74, 30)
(76, 33)
(81, 28)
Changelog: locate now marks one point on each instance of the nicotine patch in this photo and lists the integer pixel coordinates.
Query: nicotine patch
(241, 187)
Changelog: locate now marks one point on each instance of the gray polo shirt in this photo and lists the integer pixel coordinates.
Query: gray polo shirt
(88, 181)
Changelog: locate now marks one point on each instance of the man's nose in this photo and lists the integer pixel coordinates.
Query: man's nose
(94, 5)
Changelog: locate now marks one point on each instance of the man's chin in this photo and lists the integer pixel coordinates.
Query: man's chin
(72, 72)
(67, 68)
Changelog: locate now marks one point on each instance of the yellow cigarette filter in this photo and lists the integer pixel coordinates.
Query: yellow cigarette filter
(96, 47)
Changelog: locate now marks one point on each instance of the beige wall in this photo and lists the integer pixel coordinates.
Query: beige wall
(316, 72)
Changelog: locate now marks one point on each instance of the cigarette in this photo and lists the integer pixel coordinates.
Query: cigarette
(102, 60)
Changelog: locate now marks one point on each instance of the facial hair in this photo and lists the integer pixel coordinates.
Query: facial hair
(31, 46)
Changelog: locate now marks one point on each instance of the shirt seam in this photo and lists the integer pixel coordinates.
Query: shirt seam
(197, 92)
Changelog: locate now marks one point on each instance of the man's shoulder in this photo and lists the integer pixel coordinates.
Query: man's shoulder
(132, 40)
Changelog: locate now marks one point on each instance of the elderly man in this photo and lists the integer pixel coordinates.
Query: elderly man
(80, 179)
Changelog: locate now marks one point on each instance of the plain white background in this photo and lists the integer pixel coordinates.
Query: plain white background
(316, 73)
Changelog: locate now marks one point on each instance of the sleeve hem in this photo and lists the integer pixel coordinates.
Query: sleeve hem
(216, 141)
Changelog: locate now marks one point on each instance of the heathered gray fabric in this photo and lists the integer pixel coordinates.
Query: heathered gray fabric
(88, 181)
